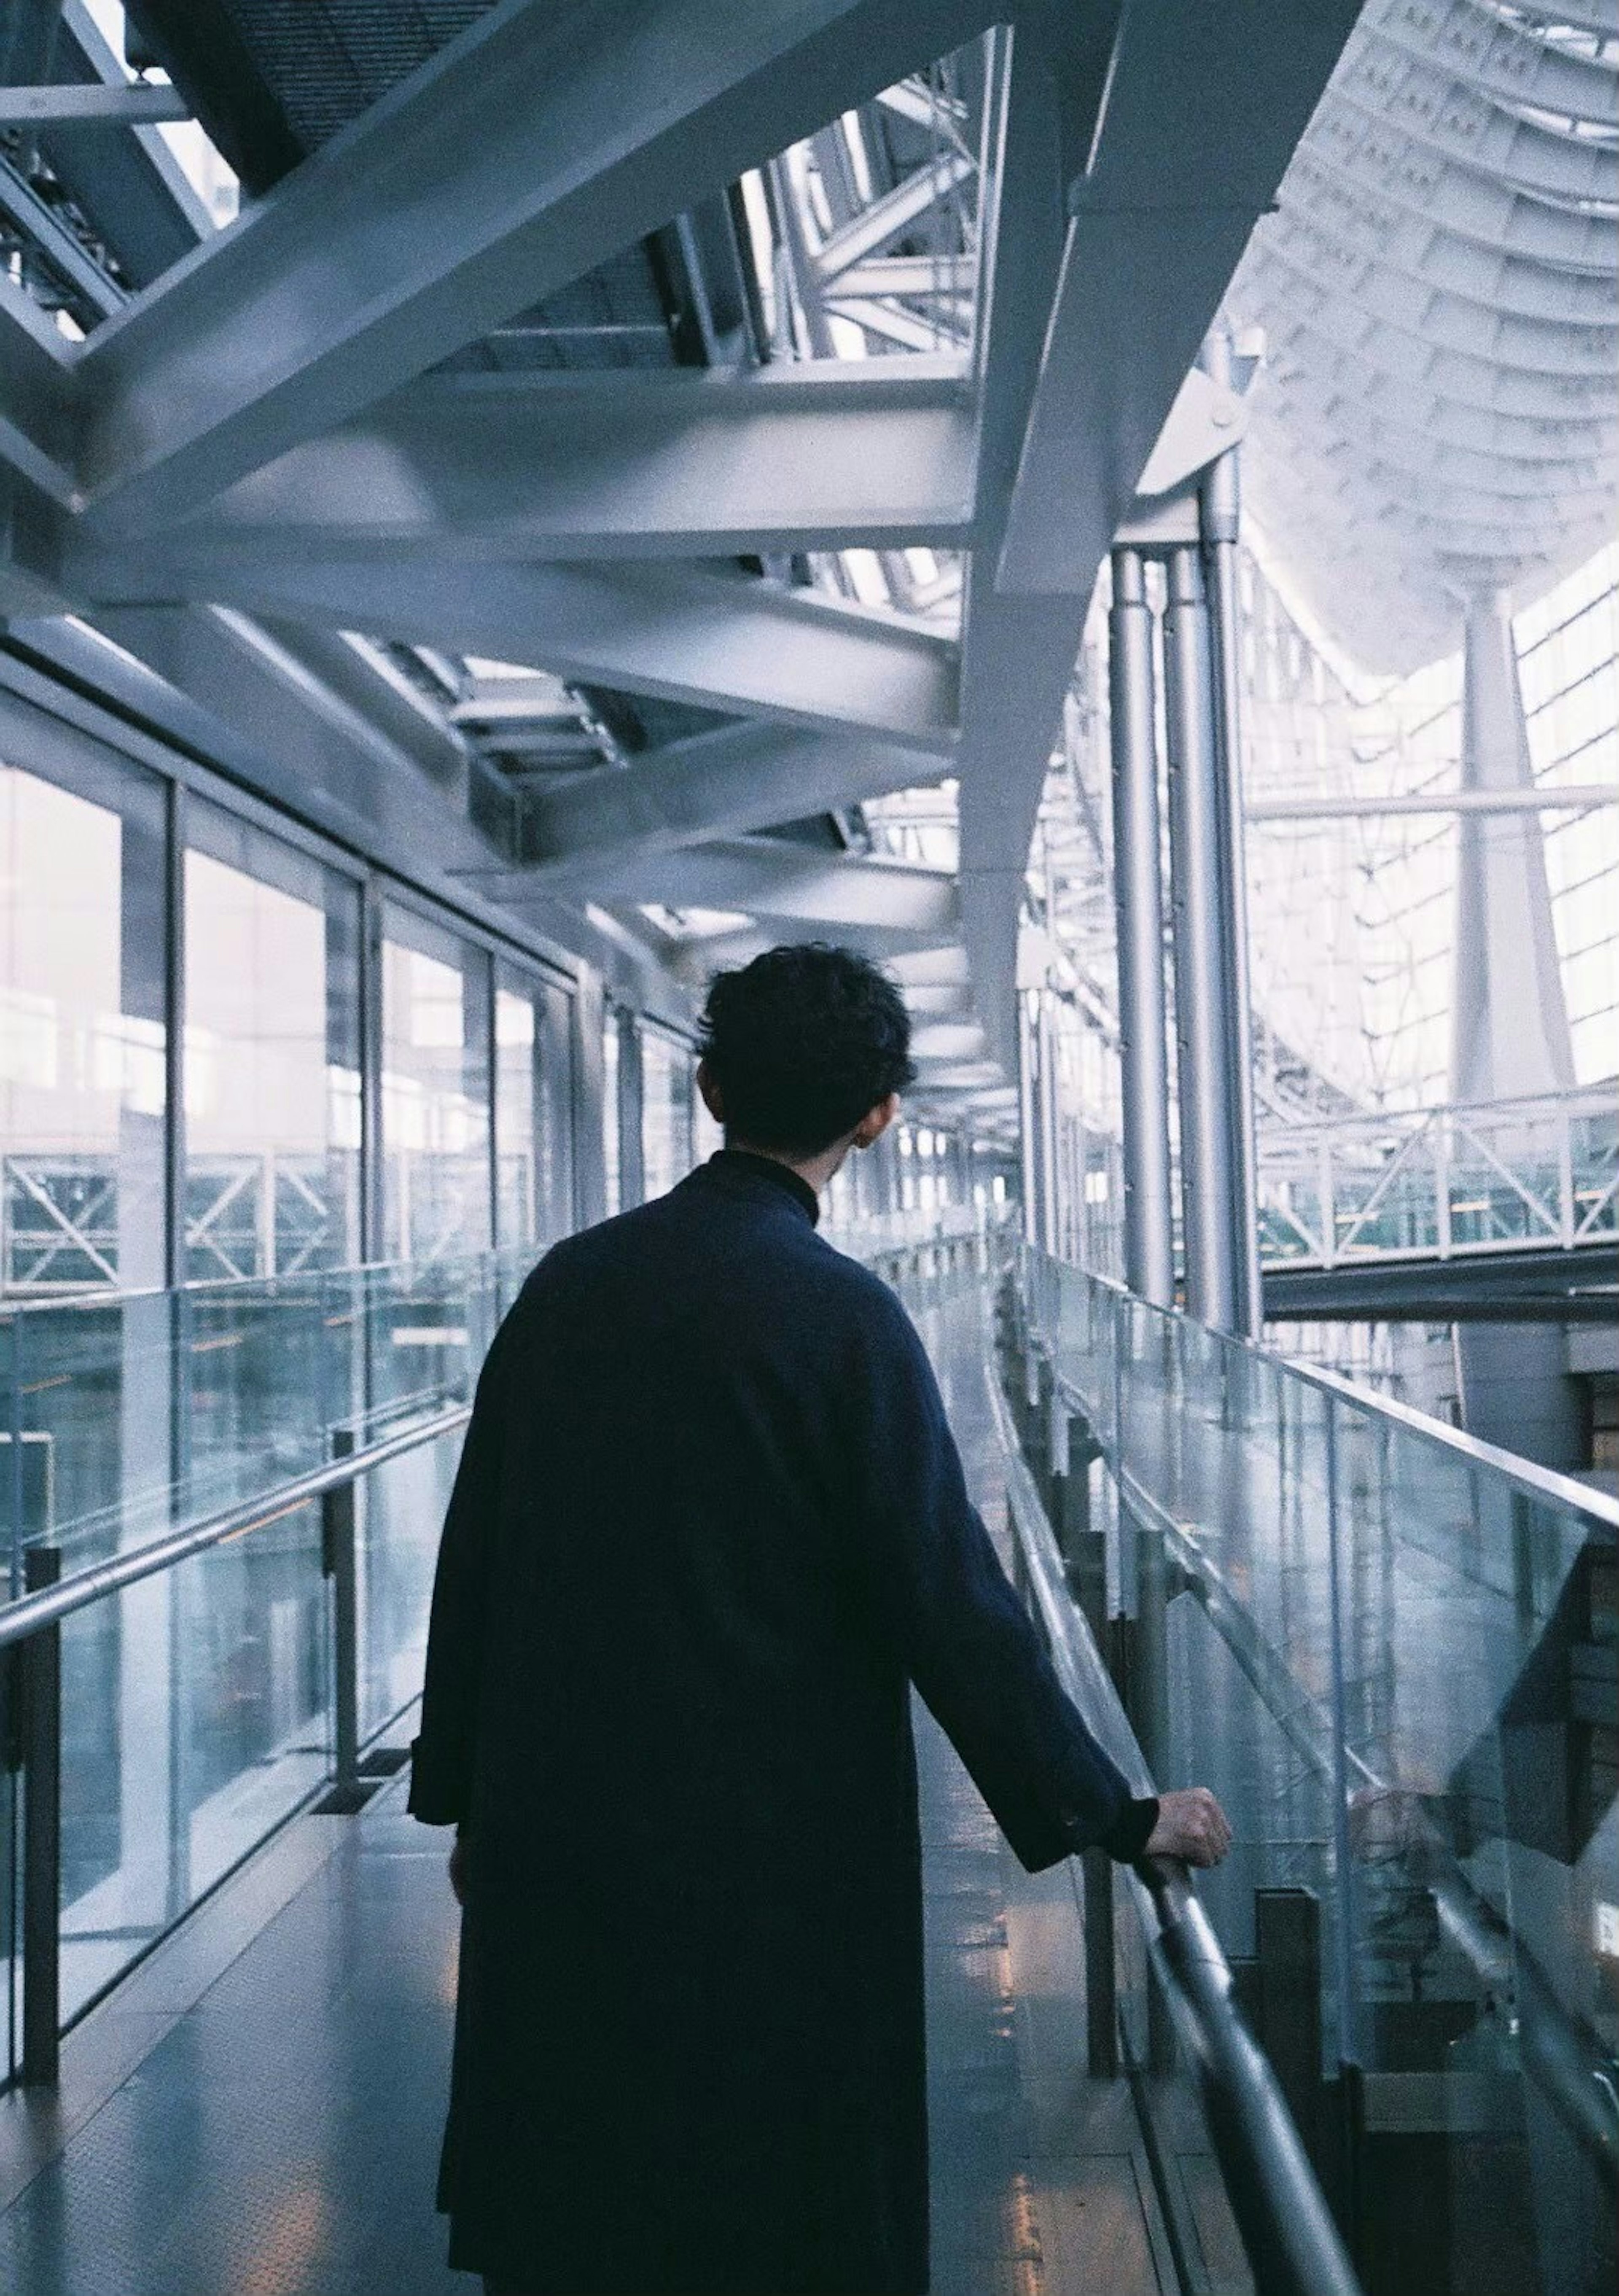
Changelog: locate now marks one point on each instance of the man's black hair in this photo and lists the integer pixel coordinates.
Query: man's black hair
(802, 1043)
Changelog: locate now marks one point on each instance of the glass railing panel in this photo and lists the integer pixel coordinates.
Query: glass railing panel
(427, 1328)
(1396, 1657)
(87, 1410)
(401, 1514)
(122, 1416)
(1479, 1638)
(11, 1958)
(196, 1715)
(254, 1406)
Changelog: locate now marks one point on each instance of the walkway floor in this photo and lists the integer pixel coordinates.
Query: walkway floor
(256, 2111)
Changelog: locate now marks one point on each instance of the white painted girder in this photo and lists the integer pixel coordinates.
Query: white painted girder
(35, 412)
(747, 777)
(1497, 58)
(729, 642)
(775, 878)
(535, 146)
(621, 463)
(1425, 103)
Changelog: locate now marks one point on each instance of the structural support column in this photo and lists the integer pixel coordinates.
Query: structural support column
(1051, 1148)
(1509, 1027)
(1029, 1117)
(1510, 1036)
(1204, 1022)
(1138, 898)
(1219, 512)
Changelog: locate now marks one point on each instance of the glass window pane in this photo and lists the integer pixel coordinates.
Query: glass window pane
(556, 1143)
(271, 1056)
(609, 1109)
(435, 1092)
(517, 1043)
(665, 1111)
(82, 1034)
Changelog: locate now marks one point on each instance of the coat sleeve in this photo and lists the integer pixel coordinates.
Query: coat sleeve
(963, 1635)
(442, 1752)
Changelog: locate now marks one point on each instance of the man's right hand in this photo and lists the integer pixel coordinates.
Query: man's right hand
(1192, 1825)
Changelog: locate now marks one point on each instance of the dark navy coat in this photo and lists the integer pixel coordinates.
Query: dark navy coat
(709, 1526)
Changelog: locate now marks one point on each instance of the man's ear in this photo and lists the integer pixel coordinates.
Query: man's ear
(710, 1092)
(875, 1121)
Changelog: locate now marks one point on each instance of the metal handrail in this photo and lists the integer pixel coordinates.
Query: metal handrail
(30, 1612)
(1542, 1483)
(205, 1288)
(1293, 2243)
(1558, 2052)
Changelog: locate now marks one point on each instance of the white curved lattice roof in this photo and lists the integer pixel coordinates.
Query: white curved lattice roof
(1438, 412)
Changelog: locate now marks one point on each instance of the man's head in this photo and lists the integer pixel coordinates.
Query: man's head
(805, 1052)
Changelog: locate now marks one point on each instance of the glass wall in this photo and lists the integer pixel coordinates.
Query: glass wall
(533, 1109)
(558, 1085)
(612, 1159)
(82, 1089)
(436, 1061)
(272, 1055)
(666, 1094)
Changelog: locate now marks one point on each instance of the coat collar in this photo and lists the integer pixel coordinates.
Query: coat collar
(742, 1164)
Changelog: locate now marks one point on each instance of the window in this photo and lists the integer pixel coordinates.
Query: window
(82, 1041)
(611, 1158)
(533, 1110)
(665, 1111)
(436, 1029)
(272, 1055)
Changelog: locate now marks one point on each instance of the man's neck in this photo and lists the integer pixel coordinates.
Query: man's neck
(815, 1171)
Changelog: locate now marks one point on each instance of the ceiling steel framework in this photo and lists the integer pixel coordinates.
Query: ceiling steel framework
(947, 311)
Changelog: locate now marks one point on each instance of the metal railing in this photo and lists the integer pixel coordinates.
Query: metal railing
(1407, 1636)
(30, 1681)
(1443, 1183)
(1293, 2244)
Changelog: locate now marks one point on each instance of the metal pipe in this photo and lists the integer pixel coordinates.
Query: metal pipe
(1138, 906)
(40, 1674)
(1218, 513)
(1203, 1020)
(31, 1611)
(339, 1558)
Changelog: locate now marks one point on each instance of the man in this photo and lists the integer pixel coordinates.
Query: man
(709, 1528)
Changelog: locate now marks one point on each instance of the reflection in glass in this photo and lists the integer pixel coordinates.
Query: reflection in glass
(435, 1092)
(665, 1111)
(611, 1158)
(271, 1056)
(82, 1032)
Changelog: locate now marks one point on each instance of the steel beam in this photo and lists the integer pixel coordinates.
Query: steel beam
(729, 642)
(747, 777)
(531, 149)
(1572, 797)
(774, 878)
(627, 464)
(87, 105)
(1171, 194)
(36, 396)
(886, 218)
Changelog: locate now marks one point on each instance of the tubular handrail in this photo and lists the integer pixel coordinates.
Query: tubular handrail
(30, 1612)
(1556, 2051)
(1293, 2243)
(1542, 1483)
